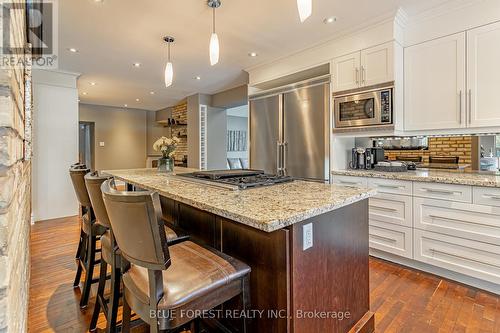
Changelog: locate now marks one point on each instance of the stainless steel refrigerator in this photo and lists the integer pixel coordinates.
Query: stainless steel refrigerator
(290, 130)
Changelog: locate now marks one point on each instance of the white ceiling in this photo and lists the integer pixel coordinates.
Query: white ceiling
(112, 35)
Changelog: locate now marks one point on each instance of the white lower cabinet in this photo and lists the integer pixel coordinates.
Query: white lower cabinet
(391, 208)
(475, 222)
(465, 256)
(391, 238)
(486, 196)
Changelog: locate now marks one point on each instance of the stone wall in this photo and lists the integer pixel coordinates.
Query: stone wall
(440, 146)
(179, 113)
(15, 187)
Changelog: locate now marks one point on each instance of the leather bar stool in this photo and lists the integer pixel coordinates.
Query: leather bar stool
(90, 232)
(110, 255)
(164, 284)
(81, 240)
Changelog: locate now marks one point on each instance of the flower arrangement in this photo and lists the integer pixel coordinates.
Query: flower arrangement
(166, 146)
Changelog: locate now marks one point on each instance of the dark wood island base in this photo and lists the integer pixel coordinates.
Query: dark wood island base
(324, 288)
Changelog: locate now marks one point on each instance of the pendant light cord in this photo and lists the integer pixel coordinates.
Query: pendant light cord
(213, 19)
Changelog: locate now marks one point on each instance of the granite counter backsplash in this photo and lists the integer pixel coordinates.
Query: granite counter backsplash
(266, 208)
(487, 179)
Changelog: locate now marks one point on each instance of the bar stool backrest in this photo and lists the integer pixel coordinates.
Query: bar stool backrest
(77, 174)
(137, 226)
(93, 182)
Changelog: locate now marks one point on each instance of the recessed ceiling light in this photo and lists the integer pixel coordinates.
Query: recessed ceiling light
(198, 78)
(137, 100)
(84, 93)
(136, 64)
(72, 49)
(98, 1)
(253, 54)
(125, 105)
(329, 20)
(92, 83)
(151, 92)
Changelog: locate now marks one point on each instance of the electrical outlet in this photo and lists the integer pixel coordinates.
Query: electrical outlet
(101, 144)
(307, 236)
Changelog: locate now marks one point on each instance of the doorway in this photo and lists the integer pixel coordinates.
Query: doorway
(86, 144)
(237, 137)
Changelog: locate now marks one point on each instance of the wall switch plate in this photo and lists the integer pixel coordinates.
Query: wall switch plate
(101, 144)
(307, 235)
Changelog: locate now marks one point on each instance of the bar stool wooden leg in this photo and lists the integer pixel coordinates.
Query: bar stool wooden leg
(81, 261)
(80, 244)
(89, 271)
(127, 313)
(100, 291)
(114, 300)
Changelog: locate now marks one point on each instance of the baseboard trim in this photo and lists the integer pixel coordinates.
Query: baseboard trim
(438, 271)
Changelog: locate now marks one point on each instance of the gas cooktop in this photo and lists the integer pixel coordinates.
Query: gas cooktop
(237, 179)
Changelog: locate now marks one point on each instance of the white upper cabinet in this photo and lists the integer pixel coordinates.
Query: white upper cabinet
(434, 84)
(364, 68)
(346, 71)
(377, 64)
(483, 75)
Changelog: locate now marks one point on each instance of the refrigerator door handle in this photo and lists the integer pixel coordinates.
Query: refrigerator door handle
(285, 148)
(278, 157)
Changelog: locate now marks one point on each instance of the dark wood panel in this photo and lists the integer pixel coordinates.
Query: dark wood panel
(332, 276)
(199, 224)
(268, 256)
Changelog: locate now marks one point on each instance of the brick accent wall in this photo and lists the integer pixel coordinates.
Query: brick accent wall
(15, 185)
(179, 113)
(440, 146)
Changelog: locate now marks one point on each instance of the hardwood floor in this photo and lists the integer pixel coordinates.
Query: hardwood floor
(403, 299)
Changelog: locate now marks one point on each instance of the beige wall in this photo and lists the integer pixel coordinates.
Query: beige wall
(124, 133)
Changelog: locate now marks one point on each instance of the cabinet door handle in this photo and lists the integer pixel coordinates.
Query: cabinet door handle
(362, 75)
(384, 208)
(348, 183)
(357, 75)
(460, 106)
(461, 257)
(390, 186)
(470, 106)
(387, 239)
(491, 196)
(439, 191)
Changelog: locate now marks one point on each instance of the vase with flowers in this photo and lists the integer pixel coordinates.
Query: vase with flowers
(167, 147)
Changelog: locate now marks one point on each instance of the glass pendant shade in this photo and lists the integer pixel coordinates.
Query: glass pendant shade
(305, 9)
(214, 49)
(169, 74)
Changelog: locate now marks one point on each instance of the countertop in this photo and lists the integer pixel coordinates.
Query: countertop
(474, 178)
(265, 208)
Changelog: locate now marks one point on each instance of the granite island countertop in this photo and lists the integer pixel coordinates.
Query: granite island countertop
(265, 208)
(460, 177)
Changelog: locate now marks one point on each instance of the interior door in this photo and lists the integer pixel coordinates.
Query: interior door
(483, 75)
(306, 123)
(265, 133)
(434, 84)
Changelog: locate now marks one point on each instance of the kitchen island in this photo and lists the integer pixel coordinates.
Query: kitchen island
(300, 282)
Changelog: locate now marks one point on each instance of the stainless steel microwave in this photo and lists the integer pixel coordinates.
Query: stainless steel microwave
(370, 108)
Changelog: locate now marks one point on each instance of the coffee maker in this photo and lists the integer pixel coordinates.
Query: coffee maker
(361, 158)
(366, 158)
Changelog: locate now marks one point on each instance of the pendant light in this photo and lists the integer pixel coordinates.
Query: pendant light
(305, 9)
(214, 39)
(169, 68)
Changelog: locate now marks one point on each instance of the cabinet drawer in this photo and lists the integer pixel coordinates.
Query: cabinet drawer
(469, 257)
(350, 181)
(477, 222)
(486, 196)
(462, 193)
(391, 208)
(391, 238)
(391, 186)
